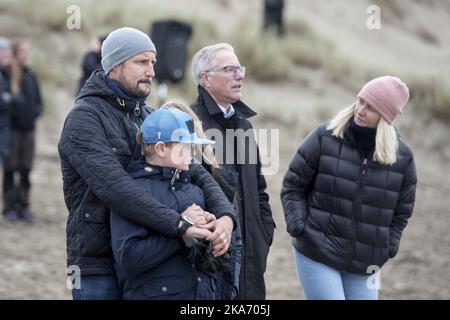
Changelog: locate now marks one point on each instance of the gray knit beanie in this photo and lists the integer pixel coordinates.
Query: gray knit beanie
(123, 44)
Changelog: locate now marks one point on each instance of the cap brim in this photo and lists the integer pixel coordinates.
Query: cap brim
(200, 141)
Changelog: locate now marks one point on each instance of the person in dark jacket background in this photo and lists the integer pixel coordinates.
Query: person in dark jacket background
(219, 75)
(273, 15)
(96, 144)
(148, 264)
(5, 115)
(92, 60)
(348, 194)
(23, 124)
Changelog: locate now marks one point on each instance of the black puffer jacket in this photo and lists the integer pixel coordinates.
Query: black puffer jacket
(343, 210)
(97, 142)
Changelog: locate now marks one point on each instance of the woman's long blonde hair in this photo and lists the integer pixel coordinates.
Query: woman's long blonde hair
(15, 76)
(386, 140)
(205, 151)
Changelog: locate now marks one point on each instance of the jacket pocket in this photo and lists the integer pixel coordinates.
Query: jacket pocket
(121, 150)
(164, 288)
(96, 232)
(392, 252)
(268, 234)
(302, 228)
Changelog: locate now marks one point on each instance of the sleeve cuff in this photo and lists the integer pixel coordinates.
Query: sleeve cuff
(232, 216)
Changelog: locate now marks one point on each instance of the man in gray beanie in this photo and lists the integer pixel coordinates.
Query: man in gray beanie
(97, 143)
(122, 44)
(123, 52)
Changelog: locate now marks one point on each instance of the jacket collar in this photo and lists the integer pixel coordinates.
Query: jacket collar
(204, 98)
(142, 169)
(97, 85)
(349, 135)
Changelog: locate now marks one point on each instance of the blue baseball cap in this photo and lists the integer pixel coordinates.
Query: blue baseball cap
(170, 125)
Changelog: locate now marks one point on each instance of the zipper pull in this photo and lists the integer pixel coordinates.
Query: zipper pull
(137, 110)
(175, 176)
(121, 102)
(364, 167)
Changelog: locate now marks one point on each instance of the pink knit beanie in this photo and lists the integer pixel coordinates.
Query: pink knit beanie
(387, 95)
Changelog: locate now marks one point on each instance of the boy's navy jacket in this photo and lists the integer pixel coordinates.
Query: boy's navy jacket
(148, 264)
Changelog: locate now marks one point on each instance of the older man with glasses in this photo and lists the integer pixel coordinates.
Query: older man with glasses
(219, 76)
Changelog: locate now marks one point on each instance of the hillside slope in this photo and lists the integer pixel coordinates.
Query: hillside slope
(413, 42)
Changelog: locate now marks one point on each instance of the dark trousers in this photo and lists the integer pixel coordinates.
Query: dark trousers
(18, 164)
(5, 140)
(16, 195)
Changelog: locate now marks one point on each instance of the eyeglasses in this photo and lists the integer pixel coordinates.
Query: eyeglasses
(229, 70)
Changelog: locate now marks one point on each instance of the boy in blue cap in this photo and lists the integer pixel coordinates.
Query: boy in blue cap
(148, 264)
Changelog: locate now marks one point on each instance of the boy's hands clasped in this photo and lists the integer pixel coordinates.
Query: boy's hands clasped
(217, 231)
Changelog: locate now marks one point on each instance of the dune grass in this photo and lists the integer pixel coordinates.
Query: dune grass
(57, 51)
(432, 97)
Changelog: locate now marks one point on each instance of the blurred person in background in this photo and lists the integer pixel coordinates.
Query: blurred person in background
(273, 15)
(24, 114)
(5, 99)
(219, 75)
(92, 60)
(348, 194)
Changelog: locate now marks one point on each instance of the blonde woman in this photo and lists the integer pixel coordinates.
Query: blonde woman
(348, 194)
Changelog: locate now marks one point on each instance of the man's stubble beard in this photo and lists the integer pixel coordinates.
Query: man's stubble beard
(133, 91)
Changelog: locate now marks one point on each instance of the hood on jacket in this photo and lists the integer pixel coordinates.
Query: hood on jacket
(96, 86)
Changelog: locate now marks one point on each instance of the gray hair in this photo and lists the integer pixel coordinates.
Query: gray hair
(203, 59)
